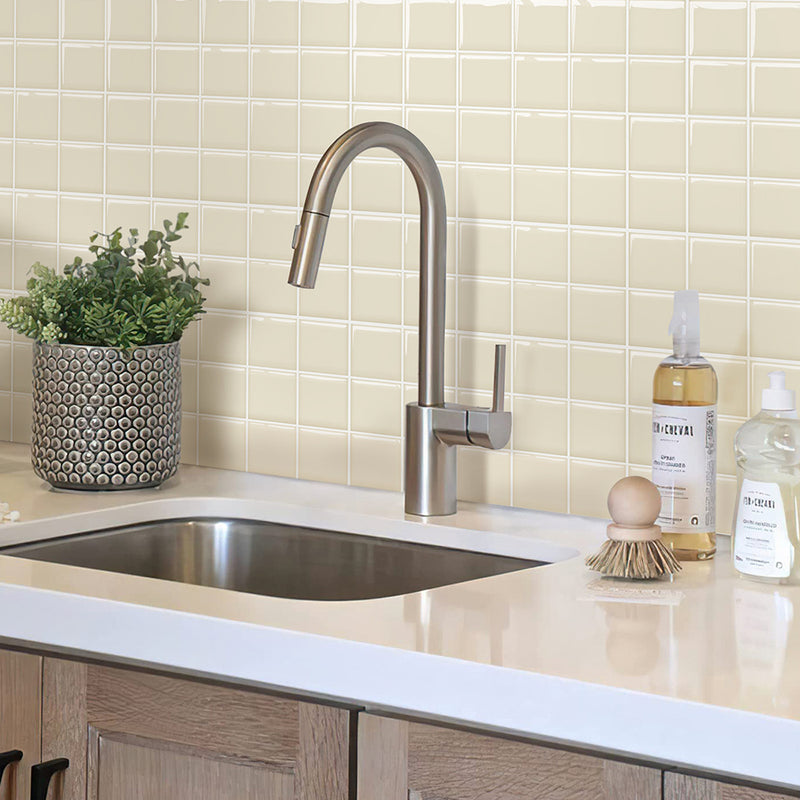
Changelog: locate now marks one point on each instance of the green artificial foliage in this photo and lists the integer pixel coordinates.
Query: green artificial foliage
(131, 294)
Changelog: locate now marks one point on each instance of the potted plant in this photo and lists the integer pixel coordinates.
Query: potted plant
(106, 359)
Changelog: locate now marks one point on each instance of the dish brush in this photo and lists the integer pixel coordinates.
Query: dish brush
(634, 548)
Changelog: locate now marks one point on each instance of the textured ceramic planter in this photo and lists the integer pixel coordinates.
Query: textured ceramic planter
(105, 418)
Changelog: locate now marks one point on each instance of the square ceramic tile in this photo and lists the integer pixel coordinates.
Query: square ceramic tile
(377, 186)
(485, 192)
(175, 173)
(376, 462)
(222, 443)
(175, 122)
(540, 139)
(224, 124)
(773, 209)
(540, 482)
(775, 150)
(322, 456)
(273, 126)
(223, 231)
(270, 292)
(540, 253)
(81, 168)
(177, 70)
(597, 315)
(717, 206)
(36, 115)
(540, 368)
(541, 82)
(657, 27)
(378, 24)
(484, 306)
(484, 250)
(437, 128)
(775, 271)
(657, 86)
(718, 88)
(378, 77)
(718, 148)
(176, 20)
(129, 22)
(273, 342)
(476, 362)
(598, 141)
(223, 177)
(273, 179)
(650, 313)
(485, 26)
(598, 84)
(540, 310)
(597, 257)
(37, 19)
(775, 29)
(128, 120)
(485, 136)
(588, 482)
(657, 202)
(598, 432)
(376, 296)
(275, 22)
(322, 401)
(128, 171)
(718, 266)
(431, 24)
(775, 88)
(484, 476)
(486, 80)
(228, 289)
(599, 27)
(82, 66)
(597, 198)
(541, 425)
(376, 353)
(657, 262)
(36, 165)
(324, 24)
(540, 195)
(330, 302)
(129, 68)
(225, 21)
(273, 74)
(272, 449)
(37, 65)
(431, 79)
(542, 27)
(598, 373)
(718, 29)
(324, 75)
(657, 144)
(225, 71)
(767, 321)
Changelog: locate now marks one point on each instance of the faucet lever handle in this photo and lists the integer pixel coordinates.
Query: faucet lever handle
(499, 384)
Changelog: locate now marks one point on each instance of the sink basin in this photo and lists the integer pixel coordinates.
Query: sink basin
(271, 559)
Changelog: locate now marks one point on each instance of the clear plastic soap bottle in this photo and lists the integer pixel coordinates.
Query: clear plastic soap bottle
(765, 529)
(685, 437)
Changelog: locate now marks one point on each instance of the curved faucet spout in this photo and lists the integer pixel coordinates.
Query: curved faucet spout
(309, 235)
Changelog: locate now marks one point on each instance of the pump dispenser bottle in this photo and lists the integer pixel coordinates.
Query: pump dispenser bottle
(765, 530)
(685, 437)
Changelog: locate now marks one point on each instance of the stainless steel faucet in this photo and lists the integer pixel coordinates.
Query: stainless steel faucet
(433, 427)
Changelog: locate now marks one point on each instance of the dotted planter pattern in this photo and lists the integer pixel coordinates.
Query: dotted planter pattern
(105, 418)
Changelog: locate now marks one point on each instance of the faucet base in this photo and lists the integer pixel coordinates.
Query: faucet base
(430, 466)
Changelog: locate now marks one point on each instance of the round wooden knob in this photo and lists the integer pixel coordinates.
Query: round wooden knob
(634, 502)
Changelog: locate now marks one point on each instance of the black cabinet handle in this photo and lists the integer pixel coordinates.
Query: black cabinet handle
(41, 774)
(9, 757)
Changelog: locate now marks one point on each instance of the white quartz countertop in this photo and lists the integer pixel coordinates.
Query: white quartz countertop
(702, 672)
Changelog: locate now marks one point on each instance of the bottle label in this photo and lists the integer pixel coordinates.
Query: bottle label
(761, 537)
(685, 466)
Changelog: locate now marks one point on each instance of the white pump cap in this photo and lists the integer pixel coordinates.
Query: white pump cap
(777, 397)
(685, 324)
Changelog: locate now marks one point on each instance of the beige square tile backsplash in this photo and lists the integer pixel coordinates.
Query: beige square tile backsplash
(597, 154)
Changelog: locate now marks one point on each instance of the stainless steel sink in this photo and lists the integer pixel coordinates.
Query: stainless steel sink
(270, 559)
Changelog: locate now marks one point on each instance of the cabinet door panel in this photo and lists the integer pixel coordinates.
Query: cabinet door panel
(132, 734)
(445, 764)
(687, 787)
(163, 774)
(20, 719)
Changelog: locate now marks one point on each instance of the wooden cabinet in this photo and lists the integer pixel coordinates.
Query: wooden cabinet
(687, 787)
(399, 760)
(20, 719)
(133, 735)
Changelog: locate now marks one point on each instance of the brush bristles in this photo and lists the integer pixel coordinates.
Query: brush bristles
(636, 560)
